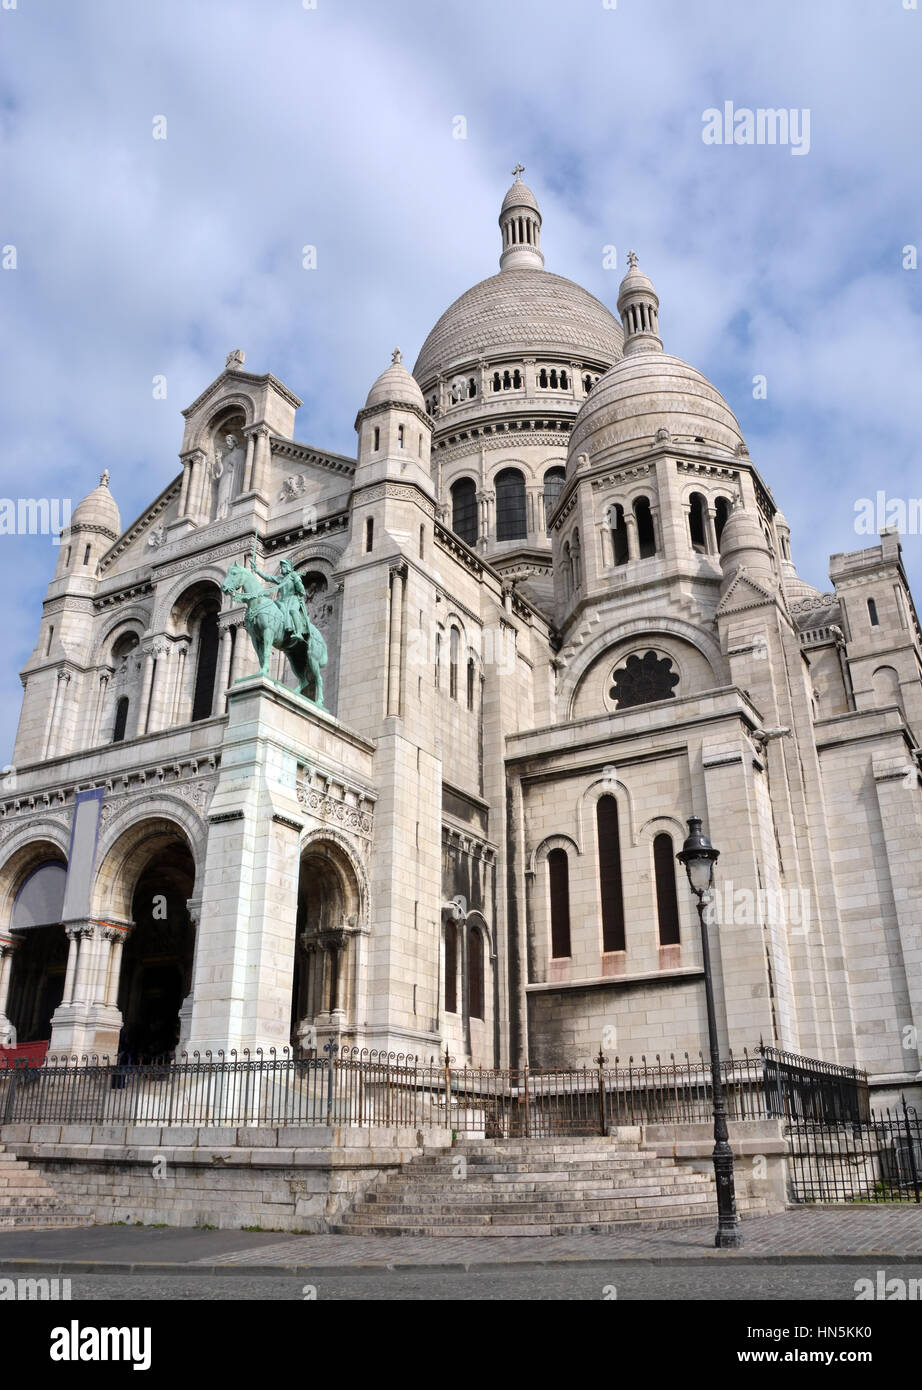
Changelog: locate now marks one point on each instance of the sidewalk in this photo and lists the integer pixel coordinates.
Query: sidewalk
(806, 1235)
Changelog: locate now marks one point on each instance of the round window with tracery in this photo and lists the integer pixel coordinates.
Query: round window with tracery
(642, 679)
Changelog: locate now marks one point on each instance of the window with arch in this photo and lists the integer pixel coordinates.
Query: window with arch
(558, 872)
(207, 668)
(610, 885)
(619, 548)
(86, 556)
(451, 968)
(697, 523)
(401, 430)
(511, 521)
(438, 660)
(667, 902)
(471, 677)
(722, 516)
(377, 439)
(121, 720)
(567, 569)
(872, 613)
(646, 535)
(475, 962)
(464, 509)
(554, 479)
(454, 646)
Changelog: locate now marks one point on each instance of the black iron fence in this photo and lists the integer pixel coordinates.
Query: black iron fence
(878, 1160)
(360, 1087)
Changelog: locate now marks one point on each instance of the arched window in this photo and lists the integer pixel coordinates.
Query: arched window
(567, 569)
(554, 480)
(369, 534)
(471, 673)
(646, 536)
(697, 525)
(612, 893)
(454, 644)
(121, 720)
(464, 509)
(438, 660)
(872, 613)
(86, 556)
(510, 506)
(517, 378)
(618, 535)
(542, 377)
(207, 668)
(497, 383)
(400, 434)
(722, 516)
(667, 903)
(576, 571)
(377, 443)
(472, 387)
(558, 871)
(451, 968)
(475, 990)
(564, 382)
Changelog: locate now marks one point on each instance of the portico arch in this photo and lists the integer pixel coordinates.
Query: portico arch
(330, 916)
(33, 946)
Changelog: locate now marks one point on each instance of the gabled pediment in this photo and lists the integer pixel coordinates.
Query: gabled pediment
(745, 592)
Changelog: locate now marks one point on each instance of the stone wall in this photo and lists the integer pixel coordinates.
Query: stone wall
(293, 1178)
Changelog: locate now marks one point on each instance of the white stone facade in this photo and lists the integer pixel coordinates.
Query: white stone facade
(562, 617)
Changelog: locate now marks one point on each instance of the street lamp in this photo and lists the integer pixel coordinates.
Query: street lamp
(699, 857)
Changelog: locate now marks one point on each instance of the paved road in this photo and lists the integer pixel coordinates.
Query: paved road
(576, 1281)
(810, 1233)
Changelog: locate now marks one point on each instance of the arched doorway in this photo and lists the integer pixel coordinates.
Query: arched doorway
(322, 994)
(39, 960)
(156, 967)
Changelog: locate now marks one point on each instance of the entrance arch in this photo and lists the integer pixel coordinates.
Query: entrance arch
(329, 913)
(149, 878)
(33, 982)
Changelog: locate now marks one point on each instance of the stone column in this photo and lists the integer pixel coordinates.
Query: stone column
(630, 525)
(184, 487)
(605, 544)
(7, 947)
(248, 463)
(144, 698)
(159, 683)
(222, 680)
(73, 949)
(260, 458)
(530, 386)
(116, 937)
(710, 530)
(657, 528)
(179, 674)
(57, 705)
(104, 678)
(196, 490)
(395, 650)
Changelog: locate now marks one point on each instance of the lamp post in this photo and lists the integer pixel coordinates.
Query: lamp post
(699, 856)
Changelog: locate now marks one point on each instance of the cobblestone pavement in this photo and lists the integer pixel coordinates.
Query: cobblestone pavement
(806, 1234)
(895, 1231)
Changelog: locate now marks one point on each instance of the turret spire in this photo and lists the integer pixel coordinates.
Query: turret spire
(638, 305)
(520, 223)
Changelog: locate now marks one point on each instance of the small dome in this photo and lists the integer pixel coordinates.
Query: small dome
(648, 392)
(519, 196)
(395, 386)
(100, 509)
(741, 532)
(635, 282)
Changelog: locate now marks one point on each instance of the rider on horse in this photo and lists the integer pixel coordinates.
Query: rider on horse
(291, 599)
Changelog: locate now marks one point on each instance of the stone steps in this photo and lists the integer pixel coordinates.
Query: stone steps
(26, 1198)
(536, 1187)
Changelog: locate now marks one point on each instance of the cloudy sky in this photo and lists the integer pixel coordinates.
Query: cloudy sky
(334, 126)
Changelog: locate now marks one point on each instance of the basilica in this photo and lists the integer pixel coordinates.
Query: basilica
(562, 616)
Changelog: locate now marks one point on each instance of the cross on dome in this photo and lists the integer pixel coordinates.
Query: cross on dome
(632, 259)
(397, 357)
(519, 170)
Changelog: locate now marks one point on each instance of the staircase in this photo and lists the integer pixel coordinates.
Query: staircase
(531, 1187)
(26, 1200)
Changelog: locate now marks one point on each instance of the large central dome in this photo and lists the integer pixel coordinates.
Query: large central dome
(522, 311)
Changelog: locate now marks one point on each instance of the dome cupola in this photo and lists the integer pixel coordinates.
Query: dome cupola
(744, 546)
(638, 305)
(520, 224)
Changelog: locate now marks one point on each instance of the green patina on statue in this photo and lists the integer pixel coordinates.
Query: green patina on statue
(282, 623)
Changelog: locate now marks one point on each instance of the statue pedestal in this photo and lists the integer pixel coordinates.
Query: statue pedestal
(242, 992)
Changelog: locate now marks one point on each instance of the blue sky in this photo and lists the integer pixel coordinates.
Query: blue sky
(333, 127)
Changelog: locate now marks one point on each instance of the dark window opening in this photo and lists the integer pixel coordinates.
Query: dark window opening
(610, 874)
(697, 525)
(464, 509)
(451, 969)
(721, 516)
(475, 990)
(121, 720)
(646, 536)
(511, 522)
(369, 534)
(619, 536)
(667, 904)
(559, 874)
(554, 480)
(207, 667)
(872, 613)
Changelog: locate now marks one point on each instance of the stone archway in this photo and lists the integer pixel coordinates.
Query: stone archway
(33, 946)
(329, 911)
(143, 891)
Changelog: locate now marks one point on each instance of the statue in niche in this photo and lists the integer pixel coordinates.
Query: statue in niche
(224, 470)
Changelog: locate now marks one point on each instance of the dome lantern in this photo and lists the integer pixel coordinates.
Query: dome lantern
(638, 305)
(520, 223)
